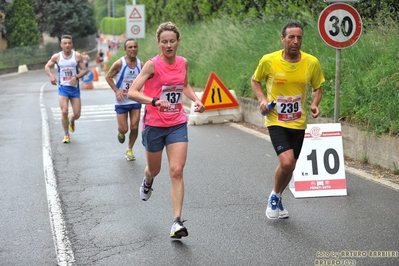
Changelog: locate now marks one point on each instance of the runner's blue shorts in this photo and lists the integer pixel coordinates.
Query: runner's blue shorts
(69, 91)
(156, 138)
(122, 109)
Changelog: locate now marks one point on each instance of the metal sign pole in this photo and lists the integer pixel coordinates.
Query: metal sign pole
(338, 67)
(337, 83)
(113, 19)
(340, 26)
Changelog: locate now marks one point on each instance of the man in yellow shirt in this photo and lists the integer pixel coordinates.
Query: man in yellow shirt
(289, 74)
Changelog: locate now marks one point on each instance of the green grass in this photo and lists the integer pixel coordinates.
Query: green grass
(369, 90)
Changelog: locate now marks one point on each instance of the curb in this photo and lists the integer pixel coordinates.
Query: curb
(101, 84)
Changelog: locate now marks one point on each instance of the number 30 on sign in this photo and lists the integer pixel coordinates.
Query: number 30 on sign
(320, 169)
(340, 25)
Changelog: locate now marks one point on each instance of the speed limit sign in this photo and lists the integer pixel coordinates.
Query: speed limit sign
(320, 168)
(340, 25)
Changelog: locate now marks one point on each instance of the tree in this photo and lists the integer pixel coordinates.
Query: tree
(73, 17)
(21, 26)
(3, 11)
(3, 6)
(41, 16)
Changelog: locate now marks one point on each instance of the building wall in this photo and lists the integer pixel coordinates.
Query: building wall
(3, 42)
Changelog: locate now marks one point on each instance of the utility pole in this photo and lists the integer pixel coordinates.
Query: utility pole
(113, 19)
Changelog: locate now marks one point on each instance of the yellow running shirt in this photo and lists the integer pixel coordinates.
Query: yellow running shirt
(287, 84)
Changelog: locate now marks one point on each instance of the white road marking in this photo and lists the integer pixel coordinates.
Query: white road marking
(91, 113)
(63, 248)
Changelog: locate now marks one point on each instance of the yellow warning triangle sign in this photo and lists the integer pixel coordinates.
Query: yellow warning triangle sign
(135, 14)
(216, 95)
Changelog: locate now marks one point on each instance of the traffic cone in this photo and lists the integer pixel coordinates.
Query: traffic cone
(88, 86)
(95, 73)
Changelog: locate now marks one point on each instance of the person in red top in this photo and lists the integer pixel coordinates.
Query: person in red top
(164, 78)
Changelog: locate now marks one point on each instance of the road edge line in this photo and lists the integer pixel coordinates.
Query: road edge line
(62, 244)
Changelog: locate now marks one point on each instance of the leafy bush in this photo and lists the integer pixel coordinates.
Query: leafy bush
(369, 81)
(115, 26)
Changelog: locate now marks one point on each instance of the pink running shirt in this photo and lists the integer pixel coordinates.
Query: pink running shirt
(167, 83)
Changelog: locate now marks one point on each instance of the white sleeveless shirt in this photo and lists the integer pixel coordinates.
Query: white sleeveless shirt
(67, 68)
(125, 78)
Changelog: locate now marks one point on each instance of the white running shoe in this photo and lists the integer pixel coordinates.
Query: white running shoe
(282, 213)
(272, 210)
(178, 230)
(145, 192)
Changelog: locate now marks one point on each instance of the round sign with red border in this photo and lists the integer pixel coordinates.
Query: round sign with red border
(135, 29)
(340, 25)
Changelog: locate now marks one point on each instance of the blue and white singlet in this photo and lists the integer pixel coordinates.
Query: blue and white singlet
(125, 78)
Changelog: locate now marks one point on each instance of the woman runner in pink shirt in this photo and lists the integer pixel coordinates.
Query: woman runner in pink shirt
(164, 78)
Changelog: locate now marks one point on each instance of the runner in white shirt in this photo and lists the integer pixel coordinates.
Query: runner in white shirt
(71, 68)
(125, 70)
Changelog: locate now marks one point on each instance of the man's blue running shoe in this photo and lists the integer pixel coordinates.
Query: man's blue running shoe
(282, 213)
(272, 210)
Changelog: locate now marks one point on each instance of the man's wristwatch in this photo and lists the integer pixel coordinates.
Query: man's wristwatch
(153, 101)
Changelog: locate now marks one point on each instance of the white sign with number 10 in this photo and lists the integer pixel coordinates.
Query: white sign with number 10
(320, 169)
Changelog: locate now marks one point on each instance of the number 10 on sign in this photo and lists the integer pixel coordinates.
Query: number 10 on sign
(320, 169)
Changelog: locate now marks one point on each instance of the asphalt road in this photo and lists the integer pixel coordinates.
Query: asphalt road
(79, 204)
